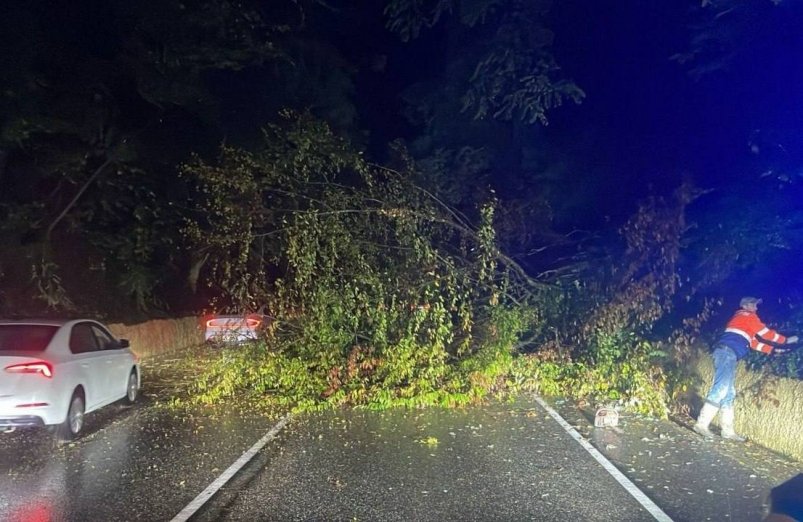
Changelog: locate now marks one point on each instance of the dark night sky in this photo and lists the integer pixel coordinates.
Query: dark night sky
(646, 118)
(647, 122)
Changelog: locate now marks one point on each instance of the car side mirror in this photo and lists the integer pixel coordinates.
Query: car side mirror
(123, 343)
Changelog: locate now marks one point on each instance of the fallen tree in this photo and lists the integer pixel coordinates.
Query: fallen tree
(380, 294)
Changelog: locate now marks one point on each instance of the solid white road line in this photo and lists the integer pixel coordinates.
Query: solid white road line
(631, 488)
(219, 482)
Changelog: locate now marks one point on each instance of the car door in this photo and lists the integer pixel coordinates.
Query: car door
(116, 361)
(90, 362)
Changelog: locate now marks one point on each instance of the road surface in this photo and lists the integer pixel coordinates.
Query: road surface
(497, 462)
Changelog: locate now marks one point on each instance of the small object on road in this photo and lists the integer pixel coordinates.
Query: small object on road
(606, 417)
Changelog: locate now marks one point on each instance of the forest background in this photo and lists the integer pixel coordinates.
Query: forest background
(435, 200)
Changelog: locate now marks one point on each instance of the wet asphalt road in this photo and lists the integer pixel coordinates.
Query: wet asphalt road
(140, 463)
(492, 463)
(498, 462)
(690, 478)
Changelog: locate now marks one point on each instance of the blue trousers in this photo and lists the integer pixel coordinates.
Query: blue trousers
(723, 391)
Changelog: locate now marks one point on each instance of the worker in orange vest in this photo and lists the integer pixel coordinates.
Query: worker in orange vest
(744, 332)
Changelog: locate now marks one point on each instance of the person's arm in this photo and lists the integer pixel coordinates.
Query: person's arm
(770, 336)
(769, 341)
(780, 350)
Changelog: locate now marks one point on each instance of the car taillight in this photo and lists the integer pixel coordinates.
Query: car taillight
(40, 367)
(250, 322)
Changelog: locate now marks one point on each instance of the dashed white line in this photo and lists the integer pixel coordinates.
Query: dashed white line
(631, 488)
(198, 502)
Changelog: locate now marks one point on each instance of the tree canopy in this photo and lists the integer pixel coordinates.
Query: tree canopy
(404, 185)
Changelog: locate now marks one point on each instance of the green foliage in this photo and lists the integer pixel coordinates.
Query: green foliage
(102, 100)
(614, 352)
(622, 367)
(381, 295)
(277, 373)
(49, 287)
(514, 82)
(384, 296)
(252, 367)
(627, 372)
(408, 17)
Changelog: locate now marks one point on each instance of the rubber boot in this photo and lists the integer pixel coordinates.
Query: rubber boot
(727, 426)
(707, 414)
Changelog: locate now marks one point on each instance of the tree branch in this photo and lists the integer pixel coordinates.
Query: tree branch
(75, 199)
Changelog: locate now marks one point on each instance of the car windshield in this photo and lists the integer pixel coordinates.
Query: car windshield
(25, 337)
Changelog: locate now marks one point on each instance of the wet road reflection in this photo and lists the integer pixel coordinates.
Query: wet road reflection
(41, 479)
(501, 462)
(141, 463)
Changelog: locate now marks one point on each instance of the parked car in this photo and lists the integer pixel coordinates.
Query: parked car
(233, 329)
(53, 372)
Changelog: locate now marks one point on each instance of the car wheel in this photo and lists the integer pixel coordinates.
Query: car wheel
(132, 388)
(74, 423)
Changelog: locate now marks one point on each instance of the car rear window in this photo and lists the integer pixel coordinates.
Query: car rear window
(25, 337)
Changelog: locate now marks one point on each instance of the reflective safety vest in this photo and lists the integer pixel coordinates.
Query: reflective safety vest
(745, 332)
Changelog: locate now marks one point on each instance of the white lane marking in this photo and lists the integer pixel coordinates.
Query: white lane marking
(631, 488)
(190, 509)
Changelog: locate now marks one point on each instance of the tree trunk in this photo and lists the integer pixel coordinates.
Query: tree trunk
(75, 199)
(195, 271)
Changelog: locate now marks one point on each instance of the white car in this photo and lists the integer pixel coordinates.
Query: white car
(53, 372)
